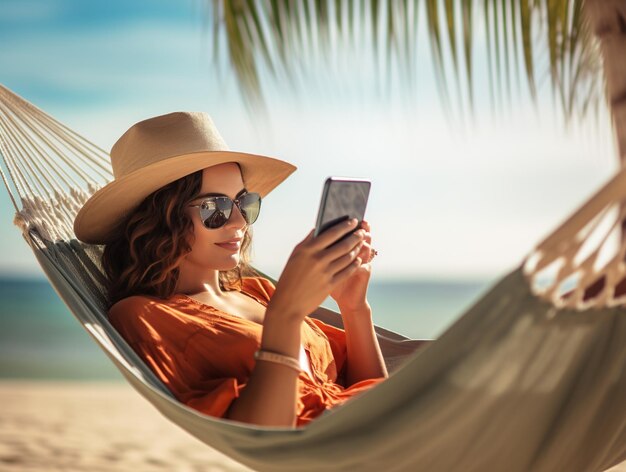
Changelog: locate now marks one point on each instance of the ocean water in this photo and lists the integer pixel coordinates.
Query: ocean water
(40, 338)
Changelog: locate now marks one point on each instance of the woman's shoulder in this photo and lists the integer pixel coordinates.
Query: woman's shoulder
(136, 307)
(134, 301)
(146, 318)
(146, 305)
(258, 285)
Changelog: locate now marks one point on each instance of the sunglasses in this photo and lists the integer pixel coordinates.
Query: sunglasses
(215, 211)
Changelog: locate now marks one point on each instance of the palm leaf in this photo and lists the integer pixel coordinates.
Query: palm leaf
(270, 35)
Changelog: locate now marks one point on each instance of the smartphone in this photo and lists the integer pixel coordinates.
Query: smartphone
(343, 198)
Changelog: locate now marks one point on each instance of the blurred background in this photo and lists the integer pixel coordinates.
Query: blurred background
(479, 133)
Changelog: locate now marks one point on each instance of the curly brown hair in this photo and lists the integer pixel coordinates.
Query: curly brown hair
(145, 257)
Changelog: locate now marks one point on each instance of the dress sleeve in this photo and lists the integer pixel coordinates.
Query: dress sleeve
(161, 338)
(337, 341)
(209, 395)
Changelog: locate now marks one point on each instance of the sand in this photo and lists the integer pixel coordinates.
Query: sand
(77, 426)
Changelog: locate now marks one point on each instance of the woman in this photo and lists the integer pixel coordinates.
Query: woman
(176, 225)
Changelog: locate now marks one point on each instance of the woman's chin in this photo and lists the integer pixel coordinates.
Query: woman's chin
(231, 263)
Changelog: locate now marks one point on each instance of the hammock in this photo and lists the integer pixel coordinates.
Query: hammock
(530, 377)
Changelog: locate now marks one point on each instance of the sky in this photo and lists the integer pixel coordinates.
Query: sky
(448, 200)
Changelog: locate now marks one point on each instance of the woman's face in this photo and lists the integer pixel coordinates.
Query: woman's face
(205, 253)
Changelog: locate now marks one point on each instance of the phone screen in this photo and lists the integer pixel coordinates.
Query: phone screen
(342, 199)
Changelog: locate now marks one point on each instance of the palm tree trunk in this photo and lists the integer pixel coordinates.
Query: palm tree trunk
(607, 19)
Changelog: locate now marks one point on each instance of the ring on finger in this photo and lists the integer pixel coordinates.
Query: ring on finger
(373, 253)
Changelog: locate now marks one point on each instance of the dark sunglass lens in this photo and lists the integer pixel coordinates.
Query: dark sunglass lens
(250, 207)
(215, 212)
(216, 220)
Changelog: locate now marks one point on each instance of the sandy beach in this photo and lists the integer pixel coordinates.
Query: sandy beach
(100, 426)
(78, 426)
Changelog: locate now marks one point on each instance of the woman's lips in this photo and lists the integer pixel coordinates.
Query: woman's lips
(229, 246)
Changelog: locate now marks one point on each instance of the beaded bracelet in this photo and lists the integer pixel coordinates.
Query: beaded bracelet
(278, 358)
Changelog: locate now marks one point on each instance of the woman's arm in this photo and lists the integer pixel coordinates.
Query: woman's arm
(364, 357)
(314, 265)
(269, 398)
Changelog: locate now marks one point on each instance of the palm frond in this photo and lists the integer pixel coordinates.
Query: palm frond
(290, 37)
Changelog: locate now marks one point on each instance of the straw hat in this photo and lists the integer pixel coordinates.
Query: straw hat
(157, 151)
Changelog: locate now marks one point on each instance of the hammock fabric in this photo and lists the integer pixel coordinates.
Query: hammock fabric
(530, 377)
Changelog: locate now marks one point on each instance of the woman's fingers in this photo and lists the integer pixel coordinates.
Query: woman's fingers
(366, 226)
(365, 251)
(338, 256)
(336, 232)
(317, 264)
(346, 259)
(342, 248)
(347, 271)
(332, 234)
(366, 248)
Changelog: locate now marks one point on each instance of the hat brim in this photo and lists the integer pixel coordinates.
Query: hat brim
(97, 219)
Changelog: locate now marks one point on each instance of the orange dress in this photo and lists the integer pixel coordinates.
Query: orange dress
(205, 356)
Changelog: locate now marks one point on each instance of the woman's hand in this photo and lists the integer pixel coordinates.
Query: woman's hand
(351, 293)
(316, 266)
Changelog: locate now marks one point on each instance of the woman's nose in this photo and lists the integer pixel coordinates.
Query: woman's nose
(236, 218)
